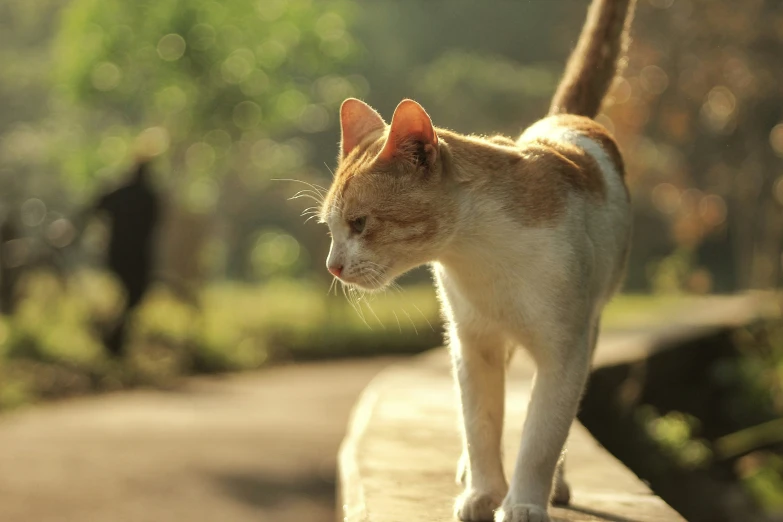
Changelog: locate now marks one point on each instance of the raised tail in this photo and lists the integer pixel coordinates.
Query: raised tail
(595, 60)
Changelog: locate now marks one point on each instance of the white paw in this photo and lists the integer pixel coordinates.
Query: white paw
(477, 506)
(521, 513)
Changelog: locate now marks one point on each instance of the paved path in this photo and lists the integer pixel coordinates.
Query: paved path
(255, 447)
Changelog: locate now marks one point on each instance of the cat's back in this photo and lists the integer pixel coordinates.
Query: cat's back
(582, 152)
(560, 166)
(590, 168)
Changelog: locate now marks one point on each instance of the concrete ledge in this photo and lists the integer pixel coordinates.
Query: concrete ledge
(398, 461)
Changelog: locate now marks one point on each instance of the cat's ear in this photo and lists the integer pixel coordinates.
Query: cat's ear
(411, 136)
(357, 121)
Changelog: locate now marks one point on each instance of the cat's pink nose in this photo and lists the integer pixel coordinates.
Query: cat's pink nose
(335, 270)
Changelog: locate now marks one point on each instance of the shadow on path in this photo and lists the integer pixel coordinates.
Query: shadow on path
(266, 490)
(601, 515)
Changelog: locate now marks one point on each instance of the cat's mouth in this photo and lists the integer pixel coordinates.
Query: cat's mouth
(374, 280)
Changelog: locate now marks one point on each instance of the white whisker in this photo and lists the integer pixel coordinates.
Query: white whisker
(355, 304)
(423, 316)
(412, 323)
(329, 169)
(399, 327)
(317, 188)
(367, 302)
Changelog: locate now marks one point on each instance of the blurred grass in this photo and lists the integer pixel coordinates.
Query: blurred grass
(51, 347)
(629, 311)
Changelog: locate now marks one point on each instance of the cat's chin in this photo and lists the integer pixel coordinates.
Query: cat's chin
(371, 286)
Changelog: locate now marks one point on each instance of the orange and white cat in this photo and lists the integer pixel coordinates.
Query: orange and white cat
(527, 239)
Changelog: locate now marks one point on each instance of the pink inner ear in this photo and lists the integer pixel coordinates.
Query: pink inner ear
(410, 122)
(357, 121)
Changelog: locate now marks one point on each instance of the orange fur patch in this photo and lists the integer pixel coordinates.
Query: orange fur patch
(594, 131)
(533, 180)
(586, 175)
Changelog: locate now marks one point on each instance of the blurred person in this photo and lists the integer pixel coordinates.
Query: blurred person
(133, 210)
(9, 269)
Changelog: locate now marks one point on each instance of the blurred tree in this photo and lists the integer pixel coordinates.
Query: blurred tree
(210, 83)
(700, 111)
(216, 89)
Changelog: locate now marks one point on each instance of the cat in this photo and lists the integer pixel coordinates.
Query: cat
(528, 240)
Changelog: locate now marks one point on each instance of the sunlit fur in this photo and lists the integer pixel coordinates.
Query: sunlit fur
(527, 239)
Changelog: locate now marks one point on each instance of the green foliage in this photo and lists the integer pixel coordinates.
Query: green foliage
(747, 391)
(492, 93)
(213, 84)
(763, 477)
(676, 434)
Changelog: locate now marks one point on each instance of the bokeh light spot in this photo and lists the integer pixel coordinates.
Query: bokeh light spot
(201, 37)
(33, 212)
(712, 209)
(778, 190)
(202, 195)
(247, 115)
(653, 79)
(270, 10)
(314, 118)
(171, 99)
(153, 141)
(271, 54)
(112, 150)
(776, 139)
(238, 66)
(220, 140)
(171, 47)
(290, 104)
(60, 232)
(666, 198)
(274, 252)
(106, 76)
(200, 156)
(255, 83)
(330, 27)
(721, 101)
(620, 91)
(719, 108)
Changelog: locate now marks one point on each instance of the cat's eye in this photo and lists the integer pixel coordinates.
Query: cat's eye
(357, 225)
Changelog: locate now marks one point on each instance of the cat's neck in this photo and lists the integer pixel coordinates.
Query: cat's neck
(476, 158)
(473, 164)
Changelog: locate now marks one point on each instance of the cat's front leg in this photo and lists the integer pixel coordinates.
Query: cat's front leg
(560, 380)
(479, 356)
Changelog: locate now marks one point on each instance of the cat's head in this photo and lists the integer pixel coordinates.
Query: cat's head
(388, 209)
